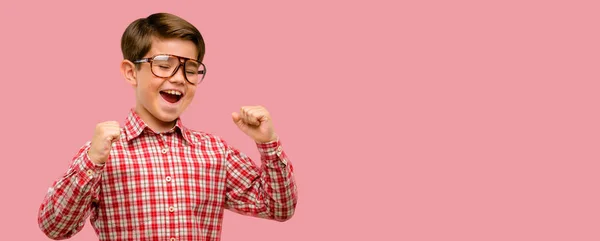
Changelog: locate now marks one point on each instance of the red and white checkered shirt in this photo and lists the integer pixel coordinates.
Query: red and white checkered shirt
(167, 186)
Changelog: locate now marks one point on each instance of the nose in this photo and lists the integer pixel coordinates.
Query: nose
(177, 76)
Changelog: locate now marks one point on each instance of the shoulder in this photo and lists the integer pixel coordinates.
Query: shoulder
(198, 137)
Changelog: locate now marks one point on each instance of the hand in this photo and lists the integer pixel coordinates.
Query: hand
(105, 134)
(256, 122)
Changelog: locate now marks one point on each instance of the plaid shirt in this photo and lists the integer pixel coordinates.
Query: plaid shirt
(167, 186)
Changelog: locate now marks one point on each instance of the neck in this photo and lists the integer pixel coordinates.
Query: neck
(152, 122)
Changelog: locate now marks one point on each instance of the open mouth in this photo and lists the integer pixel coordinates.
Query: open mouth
(171, 96)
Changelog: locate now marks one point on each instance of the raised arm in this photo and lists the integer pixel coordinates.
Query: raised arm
(268, 191)
(69, 201)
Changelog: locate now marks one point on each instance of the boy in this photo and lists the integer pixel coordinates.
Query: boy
(155, 179)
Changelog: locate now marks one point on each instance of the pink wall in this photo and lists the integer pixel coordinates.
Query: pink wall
(433, 120)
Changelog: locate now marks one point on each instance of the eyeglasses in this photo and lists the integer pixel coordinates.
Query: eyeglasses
(166, 65)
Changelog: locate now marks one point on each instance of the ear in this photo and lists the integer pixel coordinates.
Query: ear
(129, 72)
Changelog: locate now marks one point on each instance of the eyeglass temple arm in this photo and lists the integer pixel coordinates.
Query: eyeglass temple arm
(141, 61)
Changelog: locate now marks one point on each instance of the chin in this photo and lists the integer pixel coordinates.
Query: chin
(165, 113)
(167, 117)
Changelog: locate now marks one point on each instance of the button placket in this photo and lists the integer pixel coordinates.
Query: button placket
(164, 147)
(163, 143)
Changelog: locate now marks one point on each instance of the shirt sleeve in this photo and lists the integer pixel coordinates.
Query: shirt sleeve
(70, 199)
(268, 191)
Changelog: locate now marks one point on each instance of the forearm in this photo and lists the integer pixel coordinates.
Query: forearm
(278, 181)
(269, 192)
(68, 202)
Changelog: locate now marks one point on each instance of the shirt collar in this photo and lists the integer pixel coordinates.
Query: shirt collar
(134, 126)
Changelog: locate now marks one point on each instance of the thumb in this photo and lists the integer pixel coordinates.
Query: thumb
(115, 137)
(237, 119)
(112, 139)
(108, 143)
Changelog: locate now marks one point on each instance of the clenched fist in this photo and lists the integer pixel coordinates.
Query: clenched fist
(105, 134)
(256, 122)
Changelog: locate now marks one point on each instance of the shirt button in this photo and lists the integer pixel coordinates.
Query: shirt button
(168, 179)
(164, 150)
(171, 209)
(90, 173)
(173, 239)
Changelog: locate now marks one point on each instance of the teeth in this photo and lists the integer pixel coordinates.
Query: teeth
(172, 92)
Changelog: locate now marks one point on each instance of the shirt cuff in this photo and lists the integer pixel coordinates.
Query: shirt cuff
(271, 152)
(86, 169)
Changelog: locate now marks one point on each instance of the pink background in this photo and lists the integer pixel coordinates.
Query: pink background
(436, 120)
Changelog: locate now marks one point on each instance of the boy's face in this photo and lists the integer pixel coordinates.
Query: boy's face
(155, 99)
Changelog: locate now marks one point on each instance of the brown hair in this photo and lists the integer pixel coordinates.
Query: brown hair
(137, 38)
